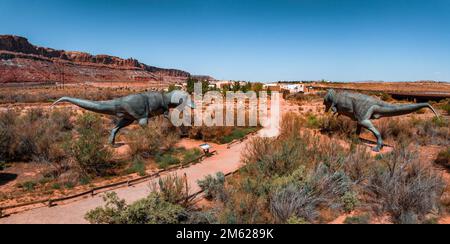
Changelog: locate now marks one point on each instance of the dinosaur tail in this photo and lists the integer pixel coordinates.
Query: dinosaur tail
(103, 107)
(402, 109)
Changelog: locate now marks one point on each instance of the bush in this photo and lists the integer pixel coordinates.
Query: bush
(137, 166)
(395, 129)
(28, 185)
(334, 125)
(433, 131)
(173, 189)
(190, 155)
(359, 219)
(166, 204)
(61, 119)
(88, 150)
(417, 188)
(7, 135)
(153, 209)
(152, 139)
(312, 121)
(446, 106)
(32, 136)
(166, 160)
(443, 158)
(214, 187)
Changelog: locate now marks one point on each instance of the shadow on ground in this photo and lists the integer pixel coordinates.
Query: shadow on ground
(6, 178)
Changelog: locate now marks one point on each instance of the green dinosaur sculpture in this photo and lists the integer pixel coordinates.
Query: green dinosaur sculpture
(362, 109)
(136, 107)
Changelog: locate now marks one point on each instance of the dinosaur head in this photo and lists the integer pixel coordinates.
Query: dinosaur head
(179, 99)
(328, 100)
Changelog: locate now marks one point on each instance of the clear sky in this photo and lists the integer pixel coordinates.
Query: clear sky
(257, 40)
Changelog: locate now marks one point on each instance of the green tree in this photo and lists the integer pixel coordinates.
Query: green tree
(236, 86)
(172, 87)
(190, 85)
(247, 87)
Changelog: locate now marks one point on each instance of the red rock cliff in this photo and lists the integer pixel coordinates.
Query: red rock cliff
(22, 62)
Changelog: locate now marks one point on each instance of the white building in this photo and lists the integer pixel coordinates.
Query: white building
(293, 88)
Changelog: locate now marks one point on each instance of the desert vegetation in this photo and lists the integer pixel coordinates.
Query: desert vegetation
(67, 148)
(46, 94)
(298, 178)
(166, 204)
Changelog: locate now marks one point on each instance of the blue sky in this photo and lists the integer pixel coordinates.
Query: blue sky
(257, 40)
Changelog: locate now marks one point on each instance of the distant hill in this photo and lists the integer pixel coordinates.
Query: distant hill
(23, 62)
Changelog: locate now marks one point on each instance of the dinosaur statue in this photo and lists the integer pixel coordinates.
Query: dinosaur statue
(136, 107)
(362, 109)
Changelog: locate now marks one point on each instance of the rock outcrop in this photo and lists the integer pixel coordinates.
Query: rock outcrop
(22, 62)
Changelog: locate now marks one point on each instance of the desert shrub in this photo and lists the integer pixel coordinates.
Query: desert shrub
(61, 119)
(166, 160)
(137, 166)
(443, 158)
(334, 125)
(404, 187)
(153, 209)
(296, 221)
(357, 164)
(7, 134)
(152, 139)
(304, 197)
(214, 187)
(446, 106)
(190, 155)
(203, 217)
(88, 150)
(349, 201)
(28, 185)
(312, 121)
(166, 204)
(358, 219)
(33, 115)
(301, 97)
(395, 129)
(386, 97)
(32, 136)
(236, 134)
(173, 189)
(433, 131)
(219, 134)
(293, 201)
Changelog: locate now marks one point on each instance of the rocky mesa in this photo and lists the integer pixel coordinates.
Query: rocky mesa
(24, 63)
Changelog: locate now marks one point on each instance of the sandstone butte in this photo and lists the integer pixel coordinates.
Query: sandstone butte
(24, 63)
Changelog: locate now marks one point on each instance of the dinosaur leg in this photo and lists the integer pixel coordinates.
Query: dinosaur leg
(122, 123)
(368, 125)
(358, 129)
